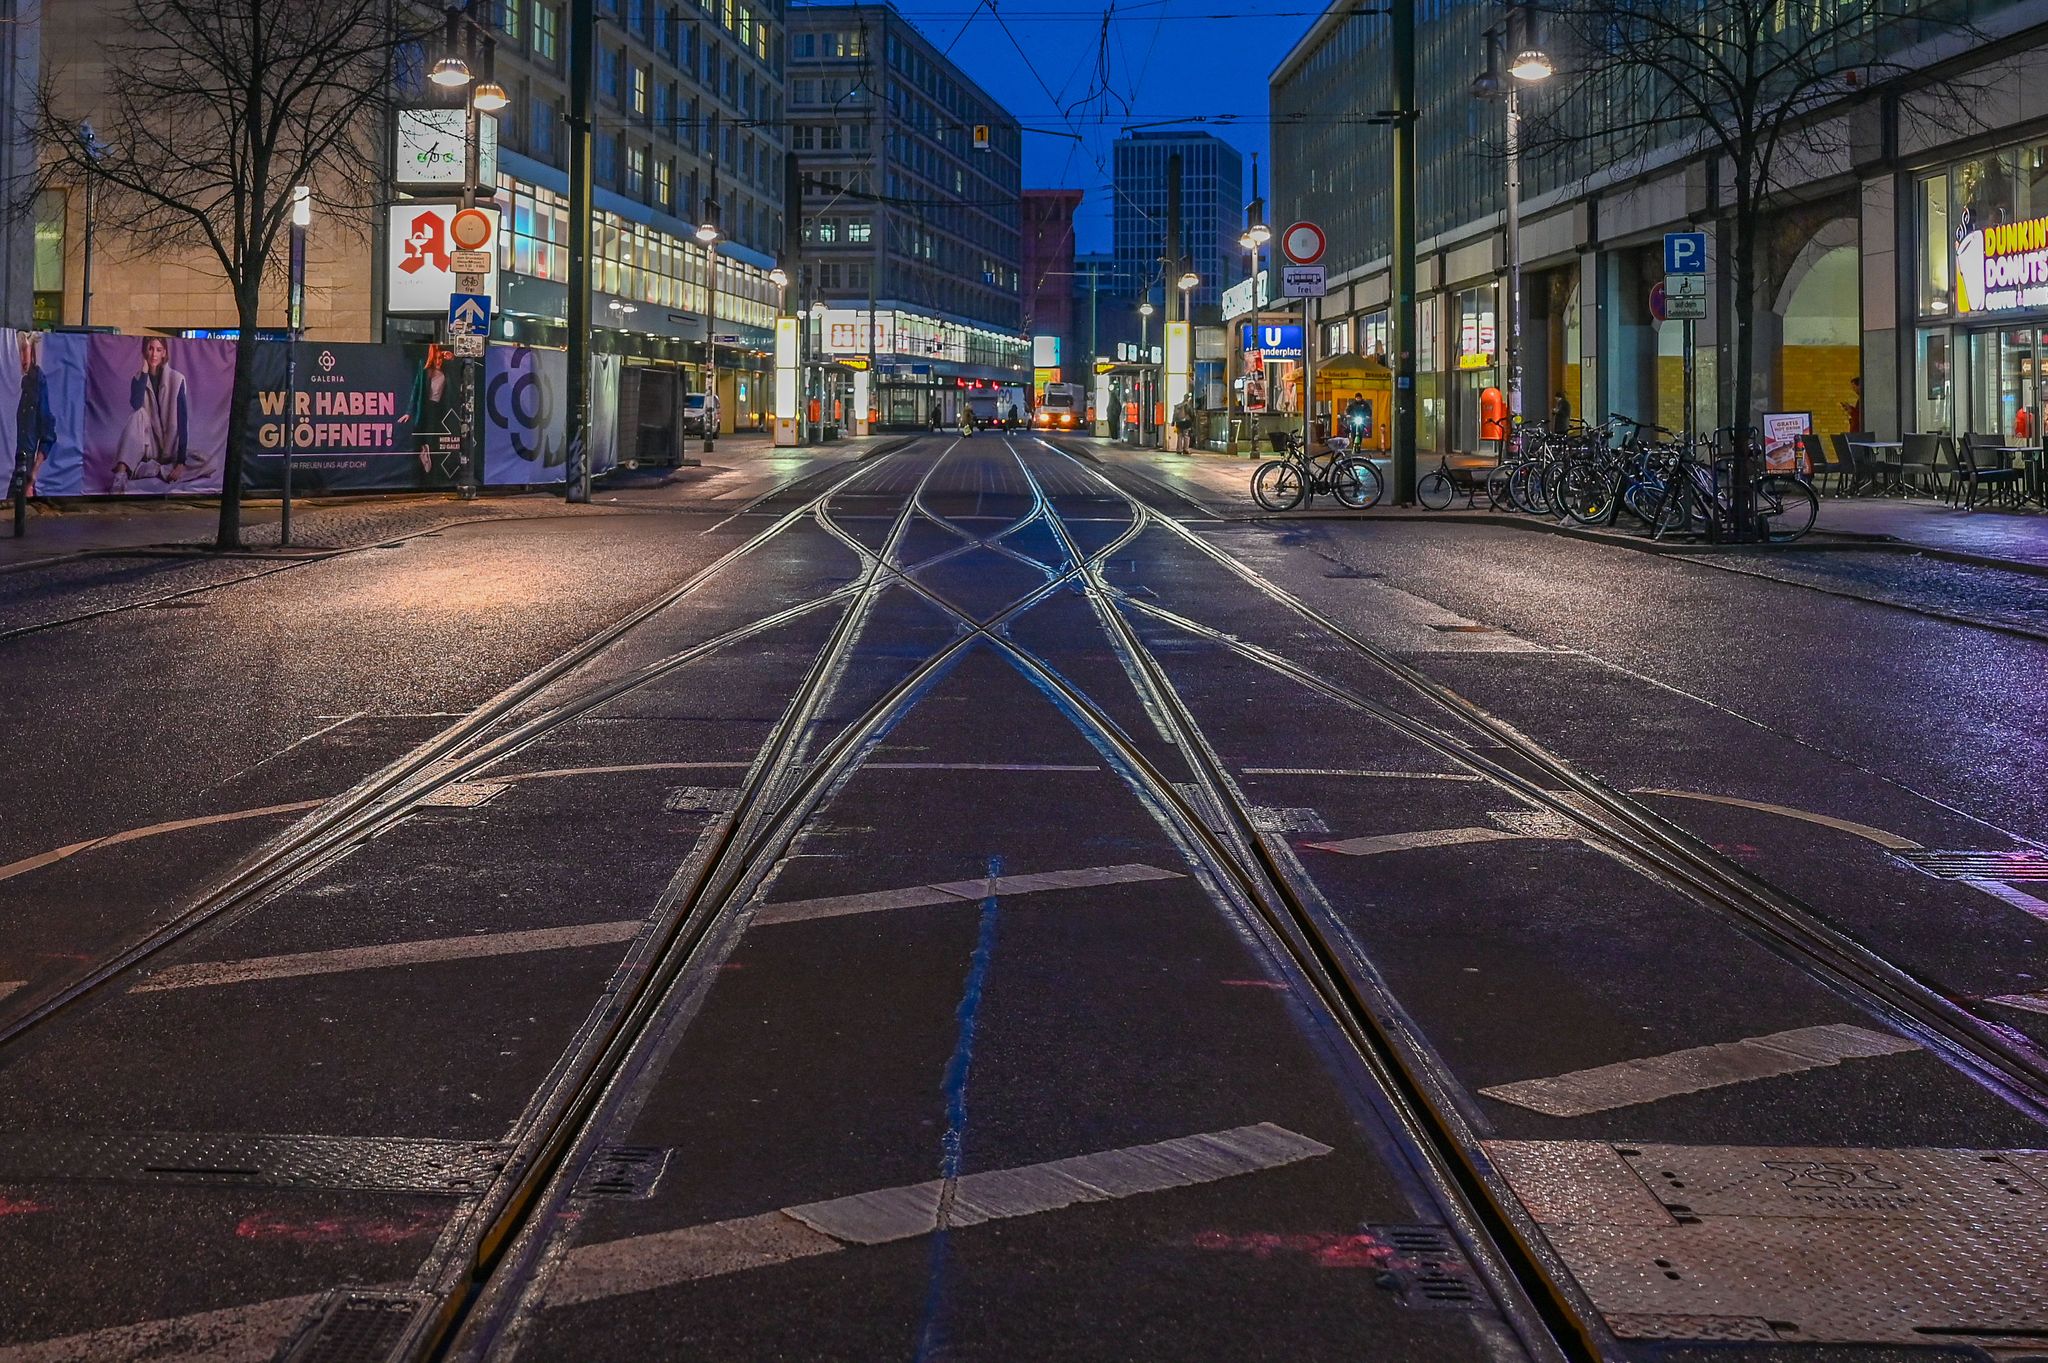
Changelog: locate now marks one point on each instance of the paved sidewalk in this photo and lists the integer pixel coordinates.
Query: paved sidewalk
(2011, 538)
(740, 468)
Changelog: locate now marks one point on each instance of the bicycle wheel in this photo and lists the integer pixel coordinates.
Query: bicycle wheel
(1434, 490)
(1787, 506)
(1278, 485)
(1519, 490)
(1497, 486)
(1356, 483)
(1588, 494)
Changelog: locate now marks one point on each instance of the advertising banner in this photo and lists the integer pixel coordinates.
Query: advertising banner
(364, 416)
(2003, 268)
(156, 414)
(1782, 450)
(525, 415)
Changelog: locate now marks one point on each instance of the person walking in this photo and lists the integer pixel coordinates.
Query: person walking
(1183, 420)
(1560, 413)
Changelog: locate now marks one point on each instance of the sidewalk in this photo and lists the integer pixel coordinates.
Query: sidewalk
(741, 468)
(2011, 539)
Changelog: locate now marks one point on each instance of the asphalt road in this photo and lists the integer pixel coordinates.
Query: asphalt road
(974, 905)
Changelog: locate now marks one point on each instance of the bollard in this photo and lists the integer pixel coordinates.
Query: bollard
(17, 492)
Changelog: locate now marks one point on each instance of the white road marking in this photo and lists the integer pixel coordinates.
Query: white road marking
(955, 892)
(1861, 830)
(57, 854)
(1380, 775)
(644, 1262)
(983, 766)
(233, 1334)
(390, 954)
(2026, 1003)
(1653, 1077)
(2018, 898)
(1402, 842)
(9, 986)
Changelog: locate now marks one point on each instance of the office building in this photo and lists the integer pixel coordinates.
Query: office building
(911, 181)
(1211, 206)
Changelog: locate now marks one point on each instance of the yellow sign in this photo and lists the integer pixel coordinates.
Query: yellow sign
(858, 362)
(1104, 366)
(981, 137)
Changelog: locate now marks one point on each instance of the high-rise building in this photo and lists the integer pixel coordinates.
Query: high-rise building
(1049, 272)
(911, 180)
(1211, 209)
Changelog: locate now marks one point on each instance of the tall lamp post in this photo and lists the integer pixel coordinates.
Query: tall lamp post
(1256, 234)
(1144, 370)
(1517, 33)
(708, 234)
(295, 329)
(90, 144)
(465, 39)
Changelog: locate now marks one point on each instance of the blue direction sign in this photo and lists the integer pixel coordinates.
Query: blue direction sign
(1685, 253)
(469, 314)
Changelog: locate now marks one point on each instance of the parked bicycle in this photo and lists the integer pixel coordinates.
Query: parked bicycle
(1281, 483)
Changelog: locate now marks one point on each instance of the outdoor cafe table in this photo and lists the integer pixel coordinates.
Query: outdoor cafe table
(2025, 457)
(1895, 448)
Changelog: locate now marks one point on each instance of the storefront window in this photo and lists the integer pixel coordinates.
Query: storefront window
(1984, 193)
(1937, 275)
(1372, 334)
(1933, 376)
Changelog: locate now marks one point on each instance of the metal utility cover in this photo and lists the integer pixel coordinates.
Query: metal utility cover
(379, 1163)
(1796, 1244)
(462, 795)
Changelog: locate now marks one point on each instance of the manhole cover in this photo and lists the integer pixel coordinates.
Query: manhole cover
(623, 1173)
(357, 1325)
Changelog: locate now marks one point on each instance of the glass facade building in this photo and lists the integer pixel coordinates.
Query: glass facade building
(1846, 329)
(1211, 206)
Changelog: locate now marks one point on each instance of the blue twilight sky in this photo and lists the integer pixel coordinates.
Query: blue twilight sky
(1161, 59)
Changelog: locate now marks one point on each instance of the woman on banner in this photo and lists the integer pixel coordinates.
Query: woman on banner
(432, 399)
(35, 424)
(153, 442)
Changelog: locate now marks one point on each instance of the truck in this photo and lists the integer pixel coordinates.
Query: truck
(1063, 408)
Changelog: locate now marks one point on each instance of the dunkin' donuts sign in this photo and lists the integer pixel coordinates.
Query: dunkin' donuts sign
(2004, 268)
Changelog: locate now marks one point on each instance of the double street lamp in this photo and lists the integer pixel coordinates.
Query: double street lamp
(465, 38)
(1145, 311)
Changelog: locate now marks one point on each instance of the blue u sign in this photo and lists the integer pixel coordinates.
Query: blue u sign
(1685, 253)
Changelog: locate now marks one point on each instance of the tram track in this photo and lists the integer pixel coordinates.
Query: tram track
(391, 792)
(1998, 1057)
(471, 1279)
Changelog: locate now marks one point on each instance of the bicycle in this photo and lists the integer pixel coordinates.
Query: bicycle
(1280, 484)
(1437, 488)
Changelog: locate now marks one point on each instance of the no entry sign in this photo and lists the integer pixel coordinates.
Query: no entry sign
(1303, 243)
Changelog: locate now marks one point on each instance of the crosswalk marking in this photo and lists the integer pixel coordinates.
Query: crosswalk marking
(666, 1258)
(9, 986)
(955, 892)
(389, 954)
(1653, 1077)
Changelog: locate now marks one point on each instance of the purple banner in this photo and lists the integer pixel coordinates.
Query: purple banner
(156, 414)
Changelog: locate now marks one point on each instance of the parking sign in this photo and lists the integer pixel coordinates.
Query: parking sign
(1685, 253)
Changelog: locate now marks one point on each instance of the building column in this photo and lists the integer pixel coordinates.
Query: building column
(1889, 296)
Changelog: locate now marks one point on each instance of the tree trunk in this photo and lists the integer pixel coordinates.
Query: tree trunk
(248, 315)
(1742, 388)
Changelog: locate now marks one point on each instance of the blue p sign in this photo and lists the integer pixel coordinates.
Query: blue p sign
(1685, 253)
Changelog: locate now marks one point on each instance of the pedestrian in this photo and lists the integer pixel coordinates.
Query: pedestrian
(1853, 408)
(1358, 419)
(938, 416)
(1560, 413)
(1015, 421)
(1183, 420)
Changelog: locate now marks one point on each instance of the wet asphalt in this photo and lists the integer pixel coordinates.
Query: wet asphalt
(678, 912)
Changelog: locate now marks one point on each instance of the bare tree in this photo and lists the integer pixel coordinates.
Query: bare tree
(214, 110)
(1754, 85)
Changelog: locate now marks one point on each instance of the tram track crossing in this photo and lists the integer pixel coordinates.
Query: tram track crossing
(472, 1281)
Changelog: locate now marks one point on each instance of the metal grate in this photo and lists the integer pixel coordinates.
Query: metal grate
(378, 1163)
(623, 1173)
(1279, 819)
(2026, 864)
(700, 799)
(358, 1325)
(462, 795)
(1427, 1270)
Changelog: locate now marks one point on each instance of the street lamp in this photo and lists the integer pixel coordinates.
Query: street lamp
(1189, 282)
(1519, 33)
(451, 72)
(490, 97)
(295, 325)
(1145, 311)
(708, 234)
(779, 277)
(90, 144)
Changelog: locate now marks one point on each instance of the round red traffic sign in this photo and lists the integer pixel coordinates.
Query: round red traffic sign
(1303, 243)
(1659, 309)
(470, 229)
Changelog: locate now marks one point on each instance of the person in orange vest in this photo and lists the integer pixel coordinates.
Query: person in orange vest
(2023, 424)
(1493, 415)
